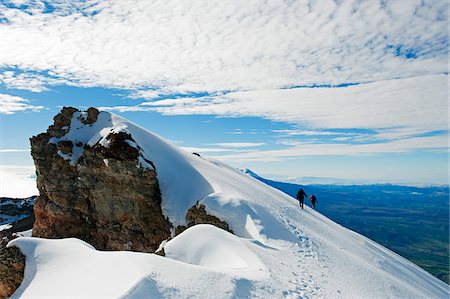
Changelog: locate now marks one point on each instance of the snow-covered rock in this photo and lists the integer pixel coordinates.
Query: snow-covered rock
(96, 184)
(15, 209)
(16, 215)
(277, 250)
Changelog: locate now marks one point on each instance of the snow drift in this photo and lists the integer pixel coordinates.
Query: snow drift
(278, 250)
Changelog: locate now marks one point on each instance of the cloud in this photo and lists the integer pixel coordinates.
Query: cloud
(393, 108)
(325, 67)
(11, 104)
(300, 149)
(13, 150)
(173, 47)
(17, 181)
(23, 81)
(144, 94)
(212, 150)
(298, 132)
(393, 116)
(239, 144)
(30, 81)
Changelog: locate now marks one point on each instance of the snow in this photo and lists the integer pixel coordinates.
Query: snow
(90, 134)
(180, 181)
(278, 250)
(25, 233)
(72, 268)
(5, 226)
(210, 247)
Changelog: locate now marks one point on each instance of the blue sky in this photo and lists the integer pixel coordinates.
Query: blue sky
(352, 90)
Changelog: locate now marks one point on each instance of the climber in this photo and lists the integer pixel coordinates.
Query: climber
(313, 200)
(300, 196)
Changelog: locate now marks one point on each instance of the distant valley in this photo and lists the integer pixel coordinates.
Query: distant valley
(412, 221)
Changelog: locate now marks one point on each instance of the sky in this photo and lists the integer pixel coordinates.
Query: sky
(302, 91)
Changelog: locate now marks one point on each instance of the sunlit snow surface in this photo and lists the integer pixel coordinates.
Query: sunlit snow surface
(278, 251)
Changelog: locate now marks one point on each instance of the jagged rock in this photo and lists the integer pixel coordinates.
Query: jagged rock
(12, 266)
(160, 252)
(62, 122)
(105, 193)
(118, 147)
(197, 215)
(92, 115)
(65, 146)
(16, 227)
(18, 213)
(105, 198)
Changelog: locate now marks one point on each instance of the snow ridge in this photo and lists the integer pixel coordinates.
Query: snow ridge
(278, 250)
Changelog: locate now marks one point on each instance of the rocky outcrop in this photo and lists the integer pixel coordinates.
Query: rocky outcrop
(11, 207)
(198, 215)
(105, 196)
(12, 266)
(17, 214)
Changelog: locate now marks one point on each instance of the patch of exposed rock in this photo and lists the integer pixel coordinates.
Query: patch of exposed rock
(198, 215)
(18, 213)
(12, 266)
(107, 198)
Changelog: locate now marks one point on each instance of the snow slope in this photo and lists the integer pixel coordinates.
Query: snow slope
(278, 250)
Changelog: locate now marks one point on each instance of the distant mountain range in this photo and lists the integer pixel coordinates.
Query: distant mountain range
(16, 215)
(315, 180)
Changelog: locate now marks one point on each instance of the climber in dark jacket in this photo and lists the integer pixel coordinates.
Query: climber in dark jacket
(300, 197)
(313, 200)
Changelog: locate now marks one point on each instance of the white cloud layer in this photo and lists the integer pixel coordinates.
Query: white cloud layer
(402, 115)
(212, 150)
(17, 181)
(29, 81)
(434, 143)
(394, 109)
(11, 104)
(239, 144)
(194, 46)
(248, 56)
(14, 150)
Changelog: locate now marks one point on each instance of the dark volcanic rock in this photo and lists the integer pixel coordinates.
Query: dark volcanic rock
(65, 146)
(92, 115)
(18, 212)
(62, 122)
(106, 198)
(12, 266)
(16, 227)
(16, 206)
(118, 147)
(197, 215)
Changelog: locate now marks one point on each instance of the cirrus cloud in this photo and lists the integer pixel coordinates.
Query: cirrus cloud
(11, 104)
(17, 181)
(172, 47)
(394, 108)
(301, 149)
(239, 144)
